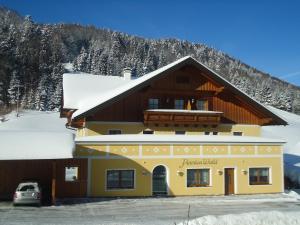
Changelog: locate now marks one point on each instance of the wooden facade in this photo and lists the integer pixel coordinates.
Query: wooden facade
(189, 83)
(49, 173)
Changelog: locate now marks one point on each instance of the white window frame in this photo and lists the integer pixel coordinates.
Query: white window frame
(260, 185)
(199, 168)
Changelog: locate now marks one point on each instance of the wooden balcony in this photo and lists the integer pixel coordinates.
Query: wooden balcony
(185, 117)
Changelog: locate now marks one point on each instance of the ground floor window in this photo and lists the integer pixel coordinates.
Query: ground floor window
(258, 176)
(120, 179)
(71, 173)
(197, 177)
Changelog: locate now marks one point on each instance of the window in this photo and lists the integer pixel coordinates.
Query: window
(120, 179)
(71, 173)
(153, 103)
(182, 132)
(179, 104)
(237, 133)
(259, 176)
(148, 131)
(197, 177)
(182, 80)
(200, 104)
(206, 133)
(113, 132)
(215, 133)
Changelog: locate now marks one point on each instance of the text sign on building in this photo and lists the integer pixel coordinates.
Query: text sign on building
(187, 162)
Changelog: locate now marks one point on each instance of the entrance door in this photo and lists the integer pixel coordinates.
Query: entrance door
(229, 181)
(159, 182)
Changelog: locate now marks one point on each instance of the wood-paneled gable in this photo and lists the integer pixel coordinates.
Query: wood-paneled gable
(189, 83)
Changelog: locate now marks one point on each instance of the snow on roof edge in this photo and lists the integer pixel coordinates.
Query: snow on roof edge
(128, 86)
(157, 72)
(176, 139)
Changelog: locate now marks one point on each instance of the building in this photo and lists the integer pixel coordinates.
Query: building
(36, 146)
(179, 130)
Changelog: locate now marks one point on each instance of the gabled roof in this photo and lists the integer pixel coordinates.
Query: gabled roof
(95, 103)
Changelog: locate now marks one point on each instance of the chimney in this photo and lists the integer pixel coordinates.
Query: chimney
(127, 73)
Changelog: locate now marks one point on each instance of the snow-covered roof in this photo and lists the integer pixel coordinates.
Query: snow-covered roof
(147, 138)
(88, 102)
(94, 101)
(79, 88)
(16, 145)
(35, 135)
(184, 111)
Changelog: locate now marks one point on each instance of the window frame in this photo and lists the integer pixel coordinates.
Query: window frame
(235, 132)
(71, 166)
(180, 132)
(120, 188)
(200, 185)
(150, 132)
(151, 103)
(108, 132)
(258, 182)
(205, 101)
(175, 100)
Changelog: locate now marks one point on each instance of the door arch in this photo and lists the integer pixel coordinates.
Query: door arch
(159, 181)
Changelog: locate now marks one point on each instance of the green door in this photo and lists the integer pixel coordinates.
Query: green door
(159, 183)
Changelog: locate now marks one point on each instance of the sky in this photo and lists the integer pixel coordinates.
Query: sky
(262, 33)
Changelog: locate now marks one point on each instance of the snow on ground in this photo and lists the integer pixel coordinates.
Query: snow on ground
(291, 134)
(35, 135)
(252, 218)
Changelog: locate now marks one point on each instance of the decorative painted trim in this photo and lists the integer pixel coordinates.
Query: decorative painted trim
(180, 156)
(180, 143)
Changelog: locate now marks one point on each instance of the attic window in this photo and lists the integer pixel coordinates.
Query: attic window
(182, 80)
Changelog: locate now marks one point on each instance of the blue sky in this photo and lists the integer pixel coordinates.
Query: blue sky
(264, 34)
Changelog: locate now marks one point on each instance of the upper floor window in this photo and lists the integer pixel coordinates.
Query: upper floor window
(206, 133)
(179, 104)
(114, 132)
(215, 133)
(153, 103)
(201, 104)
(237, 133)
(148, 132)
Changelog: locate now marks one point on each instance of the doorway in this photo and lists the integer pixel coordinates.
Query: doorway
(159, 181)
(229, 181)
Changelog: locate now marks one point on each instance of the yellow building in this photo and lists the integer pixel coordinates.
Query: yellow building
(180, 130)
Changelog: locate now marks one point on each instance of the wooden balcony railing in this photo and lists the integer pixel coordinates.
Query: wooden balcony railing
(188, 117)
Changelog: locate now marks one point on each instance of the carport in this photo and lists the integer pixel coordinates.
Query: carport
(46, 157)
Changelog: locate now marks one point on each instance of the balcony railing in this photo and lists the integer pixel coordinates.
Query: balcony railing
(188, 117)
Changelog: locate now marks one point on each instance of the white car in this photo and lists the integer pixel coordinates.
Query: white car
(28, 193)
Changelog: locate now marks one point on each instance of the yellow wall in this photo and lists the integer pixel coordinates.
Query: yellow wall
(96, 128)
(177, 158)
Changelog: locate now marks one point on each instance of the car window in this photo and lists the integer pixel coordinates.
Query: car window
(27, 188)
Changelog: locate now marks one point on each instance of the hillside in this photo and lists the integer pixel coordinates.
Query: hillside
(32, 57)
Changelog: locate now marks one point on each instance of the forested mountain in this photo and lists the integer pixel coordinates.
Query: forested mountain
(32, 57)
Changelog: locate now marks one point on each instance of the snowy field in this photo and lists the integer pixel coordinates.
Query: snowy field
(253, 218)
(291, 134)
(160, 211)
